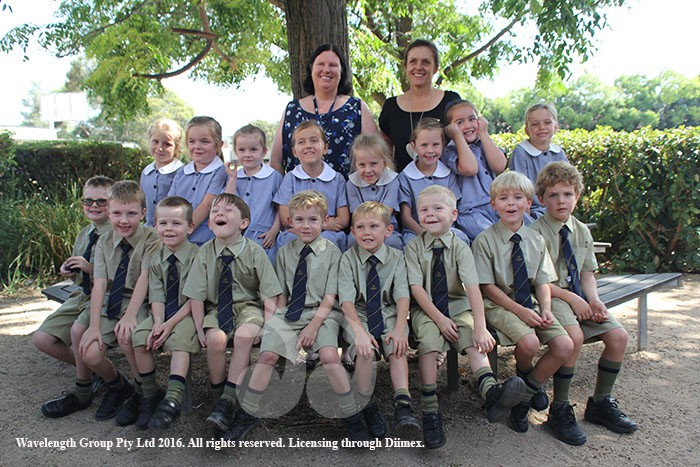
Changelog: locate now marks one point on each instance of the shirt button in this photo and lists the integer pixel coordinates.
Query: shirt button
(374, 188)
(313, 180)
(430, 178)
(247, 194)
(248, 178)
(155, 186)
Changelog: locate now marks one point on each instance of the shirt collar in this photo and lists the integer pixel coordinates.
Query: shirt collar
(101, 229)
(505, 232)
(429, 239)
(412, 171)
(327, 174)
(264, 172)
(173, 166)
(382, 253)
(133, 240)
(315, 245)
(556, 225)
(234, 248)
(387, 177)
(184, 253)
(213, 165)
(533, 151)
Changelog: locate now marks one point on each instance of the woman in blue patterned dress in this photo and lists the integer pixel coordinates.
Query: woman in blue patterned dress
(341, 116)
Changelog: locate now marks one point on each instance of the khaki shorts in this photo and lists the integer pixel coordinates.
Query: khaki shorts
(384, 348)
(107, 324)
(511, 329)
(429, 337)
(280, 335)
(249, 314)
(183, 337)
(591, 330)
(59, 322)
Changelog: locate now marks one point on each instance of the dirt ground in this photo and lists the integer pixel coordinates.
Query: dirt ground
(659, 388)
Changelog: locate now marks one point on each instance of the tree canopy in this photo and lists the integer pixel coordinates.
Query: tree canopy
(135, 44)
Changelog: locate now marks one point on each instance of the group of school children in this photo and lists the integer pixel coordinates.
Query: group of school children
(246, 255)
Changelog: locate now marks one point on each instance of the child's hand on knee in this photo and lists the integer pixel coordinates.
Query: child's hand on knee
(449, 329)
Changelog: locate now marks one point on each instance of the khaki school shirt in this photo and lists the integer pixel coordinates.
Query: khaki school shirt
(492, 253)
(108, 255)
(581, 242)
(352, 279)
(254, 278)
(81, 243)
(321, 268)
(158, 271)
(459, 267)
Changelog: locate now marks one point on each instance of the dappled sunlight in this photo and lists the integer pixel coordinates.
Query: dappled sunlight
(23, 317)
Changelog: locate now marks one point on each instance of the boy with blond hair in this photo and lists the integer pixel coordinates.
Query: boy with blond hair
(576, 306)
(511, 261)
(450, 312)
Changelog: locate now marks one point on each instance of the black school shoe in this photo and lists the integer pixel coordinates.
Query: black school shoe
(222, 413)
(607, 413)
(129, 412)
(165, 415)
(113, 400)
(405, 423)
(64, 405)
(503, 397)
(562, 421)
(167, 412)
(376, 423)
(540, 401)
(147, 407)
(433, 434)
(356, 428)
(518, 417)
(242, 423)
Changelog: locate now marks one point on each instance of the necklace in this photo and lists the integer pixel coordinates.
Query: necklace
(409, 148)
(321, 120)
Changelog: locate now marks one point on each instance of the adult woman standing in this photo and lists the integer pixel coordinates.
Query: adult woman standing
(340, 115)
(401, 114)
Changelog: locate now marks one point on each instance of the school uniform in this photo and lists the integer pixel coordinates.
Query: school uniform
(59, 322)
(385, 191)
(193, 186)
(412, 181)
(475, 211)
(582, 245)
(459, 272)
(352, 287)
(329, 183)
(257, 191)
(155, 184)
(492, 254)
(281, 334)
(254, 281)
(108, 254)
(183, 336)
(529, 161)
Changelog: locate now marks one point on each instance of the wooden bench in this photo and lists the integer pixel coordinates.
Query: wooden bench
(613, 291)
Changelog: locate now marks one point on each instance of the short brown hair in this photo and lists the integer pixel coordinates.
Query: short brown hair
(427, 123)
(422, 43)
(447, 195)
(452, 106)
(99, 181)
(559, 172)
(373, 209)
(250, 130)
(176, 202)
(309, 124)
(127, 191)
(511, 181)
(309, 199)
(237, 201)
(374, 144)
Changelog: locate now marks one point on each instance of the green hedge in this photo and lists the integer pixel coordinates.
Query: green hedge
(642, 189)
(49, 167)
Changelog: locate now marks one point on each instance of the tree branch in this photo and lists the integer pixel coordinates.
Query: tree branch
(116, 21)
(207, 29)
(170, 74)
(279, 4)
(373, 27)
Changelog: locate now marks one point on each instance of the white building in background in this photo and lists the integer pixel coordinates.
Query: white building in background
(30, 133)
(65, 107)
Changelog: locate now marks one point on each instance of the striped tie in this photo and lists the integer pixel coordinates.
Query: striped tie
(375, 322)
(114, 306)
(438, 289)
(92, 239)
(521, 281)
(172, 288)
(225, 302)
(571, 267)
(296, 305)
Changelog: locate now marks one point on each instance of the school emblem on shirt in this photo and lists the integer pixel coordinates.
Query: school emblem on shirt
(438, 274)
(224, 280)
(373, 287)
(518, 258)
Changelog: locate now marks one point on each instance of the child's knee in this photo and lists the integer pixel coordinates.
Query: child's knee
(576, 336)
(93, 355)
(268, 358)
(329, 356)
(42, 340)
(528, 345)
(616, 340)
(76, 332)
(561, 347)
(216, 340)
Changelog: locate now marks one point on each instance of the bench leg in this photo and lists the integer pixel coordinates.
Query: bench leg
(493, 361)
(642, 322)
(452, 370)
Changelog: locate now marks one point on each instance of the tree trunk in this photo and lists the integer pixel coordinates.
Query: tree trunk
(311, 23)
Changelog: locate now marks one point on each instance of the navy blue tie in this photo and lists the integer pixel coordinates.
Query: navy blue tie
(521, 281)
(572, 268)
(114, 306)
(225, 302)
(296, 304)
(438, 289)
(375, 322)
(172, 288)
(92, 239)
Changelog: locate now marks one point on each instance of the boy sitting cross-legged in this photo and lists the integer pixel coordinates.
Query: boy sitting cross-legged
(576, 306)
(232, 289)
(512, 259)
(307, 268)
(170, 326)
(444, 285)
(373, 294)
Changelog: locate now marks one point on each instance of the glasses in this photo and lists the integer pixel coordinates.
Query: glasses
(100, 202)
